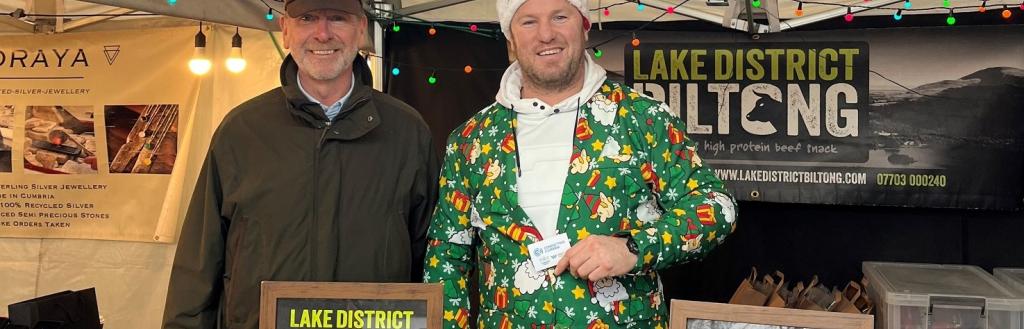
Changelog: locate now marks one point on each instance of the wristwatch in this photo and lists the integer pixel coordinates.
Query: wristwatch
(631, 245)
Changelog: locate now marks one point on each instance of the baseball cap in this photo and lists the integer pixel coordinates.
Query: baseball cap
(296, 8)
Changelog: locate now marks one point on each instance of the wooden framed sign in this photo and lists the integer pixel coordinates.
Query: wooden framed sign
(342, 305)
(700, 315)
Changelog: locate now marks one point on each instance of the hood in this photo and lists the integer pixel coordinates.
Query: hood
(510, 94)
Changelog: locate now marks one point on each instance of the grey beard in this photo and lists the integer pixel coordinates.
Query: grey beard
(558, 83)
(332, 72)
(328, 74)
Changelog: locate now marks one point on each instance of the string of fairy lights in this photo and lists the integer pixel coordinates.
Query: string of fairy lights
(200, 63)
(640, 6)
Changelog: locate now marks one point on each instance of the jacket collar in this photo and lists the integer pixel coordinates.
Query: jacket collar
(358, 115)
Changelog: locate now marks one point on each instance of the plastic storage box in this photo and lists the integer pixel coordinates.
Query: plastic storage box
(929, 296)
(1011, 277)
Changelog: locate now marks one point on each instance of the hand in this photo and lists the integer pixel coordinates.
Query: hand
(597, 257)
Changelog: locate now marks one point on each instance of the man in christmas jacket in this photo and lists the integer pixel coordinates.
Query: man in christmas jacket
(564, 153)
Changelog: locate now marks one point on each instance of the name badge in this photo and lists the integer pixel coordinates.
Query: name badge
(546, 253)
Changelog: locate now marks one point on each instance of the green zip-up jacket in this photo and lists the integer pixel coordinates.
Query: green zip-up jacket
(285, 195)
(632, 172)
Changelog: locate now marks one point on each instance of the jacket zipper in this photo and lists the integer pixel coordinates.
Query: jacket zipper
(316, 202)
(316, 181)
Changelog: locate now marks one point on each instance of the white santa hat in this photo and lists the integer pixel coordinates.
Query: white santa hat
(508, 8)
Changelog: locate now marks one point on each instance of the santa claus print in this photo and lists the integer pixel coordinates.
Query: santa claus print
(464, 237)
(528, 279)
(611, 150)
(606, 292)
(603, 109)
(648, 212)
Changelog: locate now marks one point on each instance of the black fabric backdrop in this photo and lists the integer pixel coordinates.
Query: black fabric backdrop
(457, 95)
(800, 240)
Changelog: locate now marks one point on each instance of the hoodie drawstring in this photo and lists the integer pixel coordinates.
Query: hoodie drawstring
(515, 139)
(515, 135)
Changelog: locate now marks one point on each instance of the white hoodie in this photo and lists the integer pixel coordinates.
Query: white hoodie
(544, 139)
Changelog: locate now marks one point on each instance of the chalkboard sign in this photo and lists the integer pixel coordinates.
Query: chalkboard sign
(341, 305)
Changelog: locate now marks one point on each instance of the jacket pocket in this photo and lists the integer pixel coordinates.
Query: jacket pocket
(397, 264)
(645, 303)
(243, 255)
(643, 307)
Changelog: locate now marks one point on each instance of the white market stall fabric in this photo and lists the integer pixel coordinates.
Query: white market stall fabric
(131, 277)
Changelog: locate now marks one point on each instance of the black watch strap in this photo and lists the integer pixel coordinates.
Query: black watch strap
(631, 245)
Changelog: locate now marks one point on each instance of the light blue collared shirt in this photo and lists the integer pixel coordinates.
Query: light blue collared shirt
(333, 110)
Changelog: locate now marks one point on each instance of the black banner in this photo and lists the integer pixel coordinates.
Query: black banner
(804, 122)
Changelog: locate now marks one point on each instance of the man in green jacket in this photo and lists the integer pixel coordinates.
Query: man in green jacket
(322, 179)
(570, 192)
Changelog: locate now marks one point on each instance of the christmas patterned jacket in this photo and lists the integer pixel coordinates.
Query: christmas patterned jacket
(633, 171)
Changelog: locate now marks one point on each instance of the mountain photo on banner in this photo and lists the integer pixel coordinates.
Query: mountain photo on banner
(953, 109)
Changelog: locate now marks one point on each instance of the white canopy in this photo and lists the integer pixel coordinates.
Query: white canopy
(252, 13)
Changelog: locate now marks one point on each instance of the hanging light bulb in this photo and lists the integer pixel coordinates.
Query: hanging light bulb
(849, 15)
(200, 64)
(235, 61)
(756, 3)
(468, 69)
(432, 80)
(799, 9)
(395, 71)
(607, 12)
(906, 4)
(431, 31)
(640, 6)
(636, 41)
(1006, 12)
(270, 14)
(473, 28)
(172, 2)
(945, 3)
(950, 20)
(898, 15)
(982, 9)
(395, 27)
(598, 53)
(670, 10)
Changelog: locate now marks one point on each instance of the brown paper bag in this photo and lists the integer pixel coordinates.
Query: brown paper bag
(775, 299)
(847, 297)
(751, 291)
(815, 297)
(790, 296)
